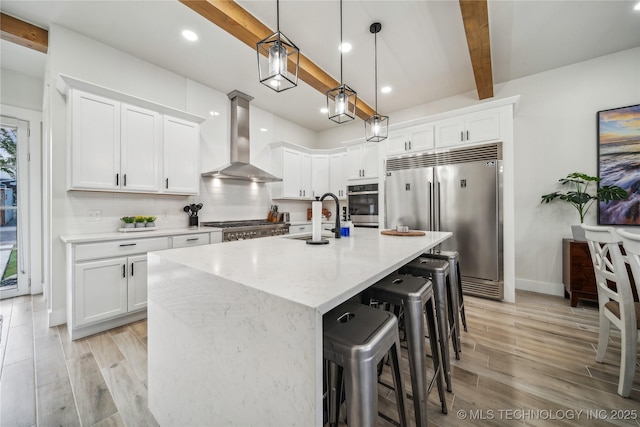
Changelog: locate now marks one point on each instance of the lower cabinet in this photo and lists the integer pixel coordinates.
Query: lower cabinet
(107, 288)
(108, 280)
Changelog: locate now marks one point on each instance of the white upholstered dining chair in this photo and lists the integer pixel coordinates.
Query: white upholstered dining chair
(617, 306)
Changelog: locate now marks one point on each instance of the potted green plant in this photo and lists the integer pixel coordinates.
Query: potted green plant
(579, 197)
(151, 221)
(139, 220)
(128, 221)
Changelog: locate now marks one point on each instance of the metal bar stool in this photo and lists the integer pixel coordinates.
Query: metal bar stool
(414, 295)
(355, 339)
(453, 258)
(438, 272)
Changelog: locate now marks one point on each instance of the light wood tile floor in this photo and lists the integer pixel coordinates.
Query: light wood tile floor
(526, 364)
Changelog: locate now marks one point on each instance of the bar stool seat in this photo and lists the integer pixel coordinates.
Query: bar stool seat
(438, 272)
(453, 258)
(355, 339)
(415, 295)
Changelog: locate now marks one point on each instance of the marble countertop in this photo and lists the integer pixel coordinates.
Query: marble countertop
(316, 276)
(116, 235)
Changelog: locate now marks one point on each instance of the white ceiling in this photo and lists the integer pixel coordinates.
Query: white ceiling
(422, 51)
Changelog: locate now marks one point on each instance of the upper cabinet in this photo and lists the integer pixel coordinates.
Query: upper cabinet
(181, 156)
(362, 161)
(338, 174)
(131, 146)
(410, 140)
(319, 174)
(295, 169)
(483, 126)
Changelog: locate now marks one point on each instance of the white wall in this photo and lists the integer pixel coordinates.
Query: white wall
(20, 90)
(554, 134)
(78, 56)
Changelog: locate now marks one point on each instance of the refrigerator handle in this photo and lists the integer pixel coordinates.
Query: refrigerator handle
(431, 224)
(438, 207)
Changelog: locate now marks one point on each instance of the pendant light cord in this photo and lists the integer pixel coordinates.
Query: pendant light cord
(278, 16)
(340, 42)
(375, 56)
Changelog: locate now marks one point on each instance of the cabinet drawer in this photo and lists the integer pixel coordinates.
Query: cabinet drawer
(87, 251)
(191, 240)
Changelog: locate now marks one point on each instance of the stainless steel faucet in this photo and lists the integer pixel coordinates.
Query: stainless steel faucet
(336, 231)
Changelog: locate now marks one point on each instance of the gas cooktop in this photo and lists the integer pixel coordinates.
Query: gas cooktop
(243, 223)
(248, 229)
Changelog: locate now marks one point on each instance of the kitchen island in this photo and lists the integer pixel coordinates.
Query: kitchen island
(235, 330)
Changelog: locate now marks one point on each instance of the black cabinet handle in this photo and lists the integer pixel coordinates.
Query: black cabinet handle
(124, 271)
(124, 180)
(128, 244)
(117, 179)
(131, 269)
(467, 135)
(167, 183)
(195, 239)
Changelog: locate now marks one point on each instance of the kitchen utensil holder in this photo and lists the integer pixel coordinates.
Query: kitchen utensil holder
(193, 221)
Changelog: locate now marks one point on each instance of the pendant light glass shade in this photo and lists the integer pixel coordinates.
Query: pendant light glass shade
(278, 60)
(341, 100)
(376, 127)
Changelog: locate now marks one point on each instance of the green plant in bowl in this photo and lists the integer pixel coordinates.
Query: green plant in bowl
(151, 221)
(127, 219)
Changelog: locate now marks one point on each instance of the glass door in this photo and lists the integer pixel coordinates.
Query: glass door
(14, 278)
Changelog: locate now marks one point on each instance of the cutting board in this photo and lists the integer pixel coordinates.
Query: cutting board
(399, 233)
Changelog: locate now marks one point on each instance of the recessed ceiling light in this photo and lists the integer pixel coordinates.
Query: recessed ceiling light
(637, 6)
(189, 35)
(345, 47)
(385, 89)
(324, 110)
(263, 129)
(213, 113)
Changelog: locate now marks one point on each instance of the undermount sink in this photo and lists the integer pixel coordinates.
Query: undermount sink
(307, 236)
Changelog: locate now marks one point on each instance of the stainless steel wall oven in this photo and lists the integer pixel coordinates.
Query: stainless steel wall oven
(363, 204)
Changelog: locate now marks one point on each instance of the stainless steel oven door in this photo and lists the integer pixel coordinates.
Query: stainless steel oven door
(363, 208)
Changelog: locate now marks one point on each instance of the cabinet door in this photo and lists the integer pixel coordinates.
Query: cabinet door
(354, 162)
(291, 173)
(137, 283)
(337, 181)
(181, 156)
(449, 132)
(140, 149)
(421, 138)
(397, 143)
(320, 174)
(100, 290)
(483, 126)
(95, 142)
(370, 159)
(305, 177)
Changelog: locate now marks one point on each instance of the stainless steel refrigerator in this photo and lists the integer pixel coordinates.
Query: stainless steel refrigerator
(458, 190)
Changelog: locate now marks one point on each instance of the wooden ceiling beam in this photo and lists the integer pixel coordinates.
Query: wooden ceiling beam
(476, 26)
(235, 20)
(23, 33)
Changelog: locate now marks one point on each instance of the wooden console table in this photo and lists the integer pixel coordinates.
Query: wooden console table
(577, 272)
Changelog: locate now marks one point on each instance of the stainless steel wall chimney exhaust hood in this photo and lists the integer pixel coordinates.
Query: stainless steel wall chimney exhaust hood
(239, 166)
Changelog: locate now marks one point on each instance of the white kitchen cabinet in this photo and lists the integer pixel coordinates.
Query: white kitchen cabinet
(114, 146)
(95, 143)
(337, 175)
(181, 171)
(410, 140)
(140, 149)
(295, 169)
(107, 280)
(123, 147)
(300, 228)
(362, 161)
(319, 174)
(483, 126)
(100, 291)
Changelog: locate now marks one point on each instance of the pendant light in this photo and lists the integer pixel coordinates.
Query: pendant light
(274, 54)
(377, 126)
(341, 100)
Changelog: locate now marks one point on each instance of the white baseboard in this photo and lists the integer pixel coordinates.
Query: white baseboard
(540, 287)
